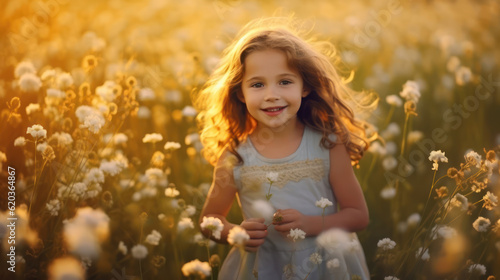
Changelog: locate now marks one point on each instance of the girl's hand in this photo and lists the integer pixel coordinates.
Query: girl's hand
(290, 219)
(257, 231)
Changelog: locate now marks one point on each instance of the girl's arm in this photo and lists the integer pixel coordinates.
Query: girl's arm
(353, 212)
(218, 203)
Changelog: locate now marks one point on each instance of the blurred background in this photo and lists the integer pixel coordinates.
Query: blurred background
(115, 186)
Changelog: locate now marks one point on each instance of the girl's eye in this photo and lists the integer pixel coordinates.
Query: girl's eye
(257, 85)
(285, 82)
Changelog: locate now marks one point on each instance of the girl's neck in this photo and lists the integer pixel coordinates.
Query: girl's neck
(278, 143)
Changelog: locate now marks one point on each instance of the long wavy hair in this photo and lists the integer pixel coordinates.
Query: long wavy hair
(225, 121)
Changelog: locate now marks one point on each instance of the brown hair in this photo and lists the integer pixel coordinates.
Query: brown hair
(225, 120)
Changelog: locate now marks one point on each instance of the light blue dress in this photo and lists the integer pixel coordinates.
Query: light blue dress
(302, 180)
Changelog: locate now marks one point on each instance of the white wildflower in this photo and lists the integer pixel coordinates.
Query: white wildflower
(94, 123)
(272, 176)
(146, 94)
(394, 100)
(389, 163)
(189, 211)
(386, 244)
(213, 224)
(316, 258)
(37, 131)
(411, 91)
(64, 80)
(23, 68)
(391, 278)
(54, 206)
(323, 203)
(473, 158)
(189, 111)
(153, 238)
(437, 156)
(388, 193)
(333, 263)
(143, 113)
(192, 138)
(120, 138)
(95, 175)
(122, 248)
(377, 148)
(20, 141)
(62, 138)
(66, 268)
(333, 240)
(414, 136)
(237, 236)
(139, 251)
(391, 131)
(152, 138)
(477, 269)
(197, 268)
(481, 224)
(172, 146)
(459, 201)
(490, 200)
(48, 74)
(171, 192)
(262, 209)
(106, 91)
(440, 231)
(55, 93)
(413, 219)
(111, 167)
(31, 108)
(296, 234)
(29, 82)
(184, 223)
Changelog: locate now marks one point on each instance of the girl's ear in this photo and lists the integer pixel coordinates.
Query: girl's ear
(240, 96)
(305, 92)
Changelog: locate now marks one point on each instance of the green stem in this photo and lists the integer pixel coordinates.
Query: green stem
(405, 131)
(34, 184)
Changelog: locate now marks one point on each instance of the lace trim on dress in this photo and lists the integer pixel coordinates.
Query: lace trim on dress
(292, 171)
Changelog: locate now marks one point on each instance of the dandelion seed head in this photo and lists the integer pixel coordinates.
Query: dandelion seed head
(20, 141)
(411, 91)
(153, 238)
(213, 224)
(23, 68)
(139, 252)
(197, 268)
(388, 192)
(238, 236)
(394, 100)
(477, 269)
(333, 264)
(66, 268)
(31, 108)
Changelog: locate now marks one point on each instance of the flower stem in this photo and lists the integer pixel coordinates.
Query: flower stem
(34, 184)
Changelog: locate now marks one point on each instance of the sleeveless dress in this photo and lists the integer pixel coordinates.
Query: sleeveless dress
(302, 180)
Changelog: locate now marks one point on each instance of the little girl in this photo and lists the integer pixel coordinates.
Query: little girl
(276, 128)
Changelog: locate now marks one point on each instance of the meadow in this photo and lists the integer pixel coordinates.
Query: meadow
(101, 171)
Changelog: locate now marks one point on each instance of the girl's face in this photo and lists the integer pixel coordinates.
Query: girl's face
(271, 90)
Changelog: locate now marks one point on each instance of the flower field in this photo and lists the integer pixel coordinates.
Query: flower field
(101, 171)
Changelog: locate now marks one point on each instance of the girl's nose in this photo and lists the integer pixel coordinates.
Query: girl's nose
(271, 94)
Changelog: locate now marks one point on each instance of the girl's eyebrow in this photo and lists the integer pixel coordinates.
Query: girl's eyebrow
(291, 75)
